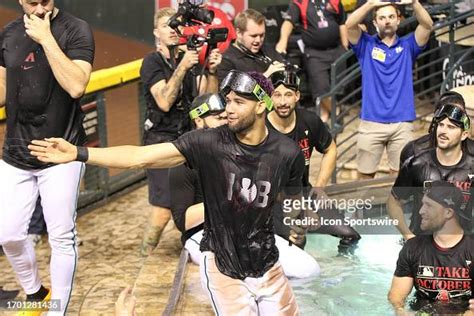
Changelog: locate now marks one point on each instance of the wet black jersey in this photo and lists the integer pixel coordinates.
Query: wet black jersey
(418, 170)
(309, 133)
(37, 106)
(417, 146)
(240, 184)
(185, 191)
(439, 274)
(176, 121)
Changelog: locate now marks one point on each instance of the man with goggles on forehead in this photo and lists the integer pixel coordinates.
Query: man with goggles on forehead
(428, 141)
(243, 168)
(207, 111)
(446, 160)
(309, 132)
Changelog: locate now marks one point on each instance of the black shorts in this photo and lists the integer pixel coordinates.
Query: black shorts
(158, 180)
(318, 68)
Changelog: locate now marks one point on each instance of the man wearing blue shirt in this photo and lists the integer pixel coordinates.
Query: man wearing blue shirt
(386, 62)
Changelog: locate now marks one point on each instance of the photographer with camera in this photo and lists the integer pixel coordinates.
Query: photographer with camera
(248, 53)
(171, 79)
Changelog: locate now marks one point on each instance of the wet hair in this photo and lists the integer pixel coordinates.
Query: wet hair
(262, 81)
(241, 19)
(451, 97)
(376, 9)
(163, 12)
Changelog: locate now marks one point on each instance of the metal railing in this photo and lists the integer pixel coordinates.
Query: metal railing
(99, 183)
(443, 56)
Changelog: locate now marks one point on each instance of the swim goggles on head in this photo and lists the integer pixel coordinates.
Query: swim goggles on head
(287, 78)
(242, 83)
(214, 105)
(453, 113)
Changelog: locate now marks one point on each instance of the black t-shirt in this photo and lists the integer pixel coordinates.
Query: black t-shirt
(309, 133)
(240, 184)
(438, 274)
(185, 191)
(156, 67)
(322, 31)
(235, 58)
(425, 167)
(37, 106)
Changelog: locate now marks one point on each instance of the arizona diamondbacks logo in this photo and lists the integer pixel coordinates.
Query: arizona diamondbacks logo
(249, 191)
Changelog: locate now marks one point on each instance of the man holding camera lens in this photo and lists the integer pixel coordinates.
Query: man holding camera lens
(248, 52)
(448, 161)
(171, 79)
(243, 169)
(388, 104)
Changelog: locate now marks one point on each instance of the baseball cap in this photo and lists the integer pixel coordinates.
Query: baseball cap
(448, 195)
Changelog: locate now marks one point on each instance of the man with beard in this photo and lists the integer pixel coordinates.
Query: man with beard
(243, 168)
(437, 263)
(386, 61)
(447, 161)
(428, 141)
(170, 82)
(309, 132)
(207, 111)
(45, 64)
(324, 38)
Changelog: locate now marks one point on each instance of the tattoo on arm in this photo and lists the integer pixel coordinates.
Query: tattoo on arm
(173, 86)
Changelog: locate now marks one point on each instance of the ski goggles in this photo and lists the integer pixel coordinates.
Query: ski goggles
(453, 113)
(215, 104)
(242, 83)
(287, 78)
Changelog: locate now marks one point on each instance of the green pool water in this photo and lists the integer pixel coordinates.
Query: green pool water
(355, 286)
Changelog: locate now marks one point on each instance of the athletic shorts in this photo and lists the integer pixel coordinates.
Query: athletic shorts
(374, 137)
(158, 179)
(270, 294)
(318, 68)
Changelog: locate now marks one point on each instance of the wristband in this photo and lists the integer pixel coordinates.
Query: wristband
(82, 154)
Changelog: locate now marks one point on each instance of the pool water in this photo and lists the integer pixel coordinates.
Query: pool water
(349, 286)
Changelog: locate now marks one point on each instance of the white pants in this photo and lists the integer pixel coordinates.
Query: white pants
(296, 262)
(19, 190)
(270, 294)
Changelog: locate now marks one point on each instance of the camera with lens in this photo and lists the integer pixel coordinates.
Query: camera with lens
(191, 13)
(212, 37)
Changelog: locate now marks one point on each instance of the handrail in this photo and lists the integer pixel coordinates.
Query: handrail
(449, 75)
(342, 77)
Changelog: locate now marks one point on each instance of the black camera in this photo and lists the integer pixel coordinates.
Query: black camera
(190, 13)
(213, 37)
